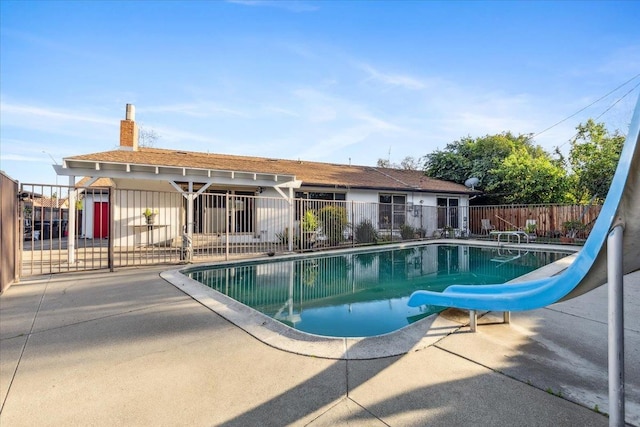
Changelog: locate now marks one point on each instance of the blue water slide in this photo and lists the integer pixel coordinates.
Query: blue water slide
(589, 269)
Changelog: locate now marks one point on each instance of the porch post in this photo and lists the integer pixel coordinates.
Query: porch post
(187, 232)
(616, 327)
(190, 197)
(71, 237)
(291, 216)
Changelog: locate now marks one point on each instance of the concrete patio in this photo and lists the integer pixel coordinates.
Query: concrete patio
(128, 348)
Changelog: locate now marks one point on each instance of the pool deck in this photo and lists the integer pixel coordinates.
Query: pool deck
(129, 348)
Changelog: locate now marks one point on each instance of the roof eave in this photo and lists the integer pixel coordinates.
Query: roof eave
(97, 168)
(383, 188)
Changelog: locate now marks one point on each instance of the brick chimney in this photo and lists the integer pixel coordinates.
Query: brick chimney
(129, 130)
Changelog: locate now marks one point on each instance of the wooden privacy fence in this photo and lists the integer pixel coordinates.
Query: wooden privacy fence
(551, 221)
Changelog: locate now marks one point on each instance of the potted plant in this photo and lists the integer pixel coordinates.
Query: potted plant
(571, 228)
(309, 225)
(150, 215)
(309, 222)
(530, 229)
(449, 232)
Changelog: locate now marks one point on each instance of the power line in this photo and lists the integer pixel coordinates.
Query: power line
(594, 102)
(619, 99)
(604, 112)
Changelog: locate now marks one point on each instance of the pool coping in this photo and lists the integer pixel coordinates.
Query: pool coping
(413, 337)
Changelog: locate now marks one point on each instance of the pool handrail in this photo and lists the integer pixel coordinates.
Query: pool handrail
(589, 269)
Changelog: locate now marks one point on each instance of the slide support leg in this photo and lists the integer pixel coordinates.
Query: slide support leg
(506, 317)
(473, 320)
(616, 327)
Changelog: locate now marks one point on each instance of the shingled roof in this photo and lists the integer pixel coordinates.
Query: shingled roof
(310, 173)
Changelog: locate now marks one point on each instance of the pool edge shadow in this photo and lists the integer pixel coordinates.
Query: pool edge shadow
(413, 337)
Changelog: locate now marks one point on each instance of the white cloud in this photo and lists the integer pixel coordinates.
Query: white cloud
(270, 109)
(195, 109)
(319, 107)
(290, 5)
(171, 137)
(401, 80)
(24, 158)
(59, 129)
(621, 62)
(323, 147)
(299, 49)
(379, 124)
(48, 44)
(12, 111)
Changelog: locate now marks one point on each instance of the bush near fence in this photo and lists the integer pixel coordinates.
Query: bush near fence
(551, 220)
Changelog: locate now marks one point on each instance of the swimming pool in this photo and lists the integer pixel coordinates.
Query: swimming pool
(363, 294)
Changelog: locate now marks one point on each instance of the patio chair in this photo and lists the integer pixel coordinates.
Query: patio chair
(486, 226)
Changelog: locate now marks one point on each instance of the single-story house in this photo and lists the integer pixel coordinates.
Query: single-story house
(192, 176)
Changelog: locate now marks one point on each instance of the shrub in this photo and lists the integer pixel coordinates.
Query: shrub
(573, 227)
(407, 232)
(283, 238)
(334, 221)
(309, 221)
(365, 232)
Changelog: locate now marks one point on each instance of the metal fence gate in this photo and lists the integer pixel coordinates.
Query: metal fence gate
(9, 233)
(67, 229)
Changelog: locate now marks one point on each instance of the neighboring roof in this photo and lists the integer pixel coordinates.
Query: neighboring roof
(49, 202)
(310, 173)
(100, 182)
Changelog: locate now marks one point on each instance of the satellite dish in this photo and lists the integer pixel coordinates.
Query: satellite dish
(472, 182)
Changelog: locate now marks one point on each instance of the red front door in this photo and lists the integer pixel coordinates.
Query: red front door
(100, 220)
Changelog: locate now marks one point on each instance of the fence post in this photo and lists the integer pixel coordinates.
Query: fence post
(393, 206)
(226, 227)
(112, 210)
(71, 237)
(292, 208)
(353, 225)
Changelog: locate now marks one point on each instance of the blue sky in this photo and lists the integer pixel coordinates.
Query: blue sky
(326, 81)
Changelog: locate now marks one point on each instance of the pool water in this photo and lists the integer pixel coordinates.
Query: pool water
(363, 294)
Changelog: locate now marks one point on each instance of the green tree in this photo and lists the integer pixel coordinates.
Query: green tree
(384, 163)
(147, 137)
(504, 164)
(334, 221)
(593, 157)
(448, 164)
(523, 178)
(408, 163)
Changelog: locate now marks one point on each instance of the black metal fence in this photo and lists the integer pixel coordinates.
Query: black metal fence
(85, 228)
